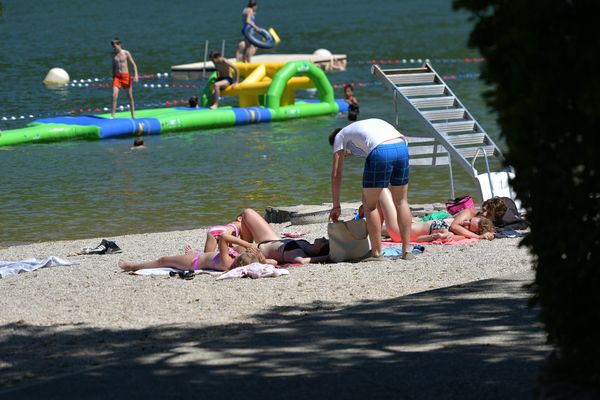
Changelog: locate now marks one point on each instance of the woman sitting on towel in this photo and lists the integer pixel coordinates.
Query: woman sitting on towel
(284, 251)
(234, 228)
(224, 259)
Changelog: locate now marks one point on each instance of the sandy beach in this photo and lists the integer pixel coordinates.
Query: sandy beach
(98, 314)
(54, 311)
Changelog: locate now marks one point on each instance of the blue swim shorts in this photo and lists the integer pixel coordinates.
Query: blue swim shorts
(387, 164)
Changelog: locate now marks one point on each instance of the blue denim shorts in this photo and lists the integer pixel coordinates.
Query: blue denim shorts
(387, 164)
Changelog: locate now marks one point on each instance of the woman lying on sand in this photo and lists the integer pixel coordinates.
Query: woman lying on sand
(468, 223)
(224, 259)
(284, 251)
(445, 229)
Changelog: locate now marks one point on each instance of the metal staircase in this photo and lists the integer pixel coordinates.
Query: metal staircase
(452, 134)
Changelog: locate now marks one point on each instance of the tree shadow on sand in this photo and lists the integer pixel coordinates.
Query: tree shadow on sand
(472, 341)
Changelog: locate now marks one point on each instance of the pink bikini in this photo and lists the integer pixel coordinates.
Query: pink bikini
(218, 230)
(232, 253)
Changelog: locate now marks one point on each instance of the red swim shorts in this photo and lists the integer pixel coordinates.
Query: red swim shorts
(122, 80)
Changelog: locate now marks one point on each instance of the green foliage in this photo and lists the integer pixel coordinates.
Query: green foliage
(543, 65)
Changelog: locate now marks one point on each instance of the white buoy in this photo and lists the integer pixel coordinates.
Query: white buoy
(57, 77)
(323, 53)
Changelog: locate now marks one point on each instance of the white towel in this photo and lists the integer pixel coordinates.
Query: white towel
(254, 271)
(8, 268)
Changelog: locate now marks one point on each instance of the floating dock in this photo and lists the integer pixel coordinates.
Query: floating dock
(202, 70)
(266, 94)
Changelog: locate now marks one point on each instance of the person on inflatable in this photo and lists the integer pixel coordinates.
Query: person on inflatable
(121, 76)
(224, 78)
(248, 17)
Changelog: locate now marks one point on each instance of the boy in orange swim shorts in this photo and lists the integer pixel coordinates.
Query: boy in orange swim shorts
(121, 76)
(122, 81)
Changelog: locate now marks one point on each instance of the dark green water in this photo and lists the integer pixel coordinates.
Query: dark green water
(87, 189)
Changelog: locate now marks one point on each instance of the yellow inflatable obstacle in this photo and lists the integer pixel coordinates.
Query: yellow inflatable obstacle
(258, 78)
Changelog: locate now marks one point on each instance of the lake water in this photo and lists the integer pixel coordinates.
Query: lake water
(84, 189)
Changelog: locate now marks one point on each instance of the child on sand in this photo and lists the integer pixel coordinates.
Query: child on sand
(222, 260)
(121, 77)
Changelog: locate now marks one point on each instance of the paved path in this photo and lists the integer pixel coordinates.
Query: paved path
(471, 341)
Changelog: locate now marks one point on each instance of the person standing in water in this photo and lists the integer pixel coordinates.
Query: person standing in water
(352, 101)
(248, 17)
(121, 76)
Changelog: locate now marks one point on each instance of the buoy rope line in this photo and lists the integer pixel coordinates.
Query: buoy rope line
(139, 85)
(184, 103)
(80, 82)
(377, 60)
(387, 60)
(451, 77)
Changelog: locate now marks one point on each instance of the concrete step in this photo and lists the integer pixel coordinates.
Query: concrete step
(312, 214)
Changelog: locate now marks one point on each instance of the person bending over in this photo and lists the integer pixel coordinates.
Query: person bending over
(386, 164)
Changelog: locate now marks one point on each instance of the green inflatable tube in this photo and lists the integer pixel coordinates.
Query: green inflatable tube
(45, 133)
(299, 68)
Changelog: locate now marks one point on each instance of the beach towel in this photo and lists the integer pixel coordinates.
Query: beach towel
(396, 251)
(292, 235)
(254, 271)
(448, 242)
(453, 241)
(8, 268)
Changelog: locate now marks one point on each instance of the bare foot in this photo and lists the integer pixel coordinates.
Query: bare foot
(125, 266)
(214, 107)
(188, 249)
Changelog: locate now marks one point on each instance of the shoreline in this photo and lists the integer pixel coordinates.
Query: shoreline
(439, 266)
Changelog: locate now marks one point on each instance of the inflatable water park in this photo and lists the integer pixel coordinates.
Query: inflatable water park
(266, 93)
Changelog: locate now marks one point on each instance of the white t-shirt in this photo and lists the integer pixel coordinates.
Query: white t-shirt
(361, 137)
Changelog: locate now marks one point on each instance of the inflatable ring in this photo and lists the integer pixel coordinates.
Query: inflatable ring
(261, 38)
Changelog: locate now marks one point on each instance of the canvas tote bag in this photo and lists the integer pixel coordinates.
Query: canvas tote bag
(348, 240)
